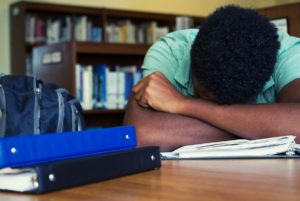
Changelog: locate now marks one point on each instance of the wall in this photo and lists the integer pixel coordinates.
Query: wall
(191, 7)
(4, 37)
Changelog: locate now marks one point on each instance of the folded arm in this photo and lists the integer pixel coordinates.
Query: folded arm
(244, 120)
(170, 131)
(252, 120)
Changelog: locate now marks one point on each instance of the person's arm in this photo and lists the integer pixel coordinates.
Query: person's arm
(245, 120)
(169, 131)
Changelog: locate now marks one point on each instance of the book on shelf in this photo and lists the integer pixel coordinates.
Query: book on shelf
(87, 83)
(283, 146)
(57, 175)
(86, 30)
(35, 29)
(105, 87)
(183, 22)
(124, 31)
(61, 28)
(31, 149)
(81, 28)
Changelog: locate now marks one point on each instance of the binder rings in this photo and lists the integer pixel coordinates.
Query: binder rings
(78, 171)
(25, 150)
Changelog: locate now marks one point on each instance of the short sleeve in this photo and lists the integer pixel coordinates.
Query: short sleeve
(160, 57)
(287, 68)
(171, 56)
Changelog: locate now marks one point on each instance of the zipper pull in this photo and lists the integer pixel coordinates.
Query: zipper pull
(38, 93)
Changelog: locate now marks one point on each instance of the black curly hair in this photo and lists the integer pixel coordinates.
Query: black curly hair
(234, 54)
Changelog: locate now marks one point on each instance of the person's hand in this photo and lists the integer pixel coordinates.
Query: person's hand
(157, 92)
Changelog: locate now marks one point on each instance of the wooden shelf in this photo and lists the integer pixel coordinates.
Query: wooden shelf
(30, 46)
(103, 48)
(139, 15)
(60, 8)
(56, 63)
(289, 11)
(111, 48)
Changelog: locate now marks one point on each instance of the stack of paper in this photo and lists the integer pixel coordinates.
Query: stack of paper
(236, 148)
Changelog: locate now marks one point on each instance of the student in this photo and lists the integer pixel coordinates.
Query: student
(235, 77)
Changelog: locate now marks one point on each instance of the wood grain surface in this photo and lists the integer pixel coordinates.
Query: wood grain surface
(242, 180)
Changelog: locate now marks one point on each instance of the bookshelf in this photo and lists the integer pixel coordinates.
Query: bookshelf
(63, 72)
(289, 11)
(111, 37)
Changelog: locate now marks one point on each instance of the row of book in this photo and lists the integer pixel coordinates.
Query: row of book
(105, 87)
(81, 28)
(59, 29)
(127, 32)
(42, 163)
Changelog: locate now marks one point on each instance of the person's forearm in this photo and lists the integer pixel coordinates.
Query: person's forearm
(247, 121)
(170, 131)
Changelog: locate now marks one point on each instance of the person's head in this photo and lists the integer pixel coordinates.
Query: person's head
(234, 54)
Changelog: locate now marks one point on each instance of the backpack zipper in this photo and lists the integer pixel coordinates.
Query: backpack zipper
(37, 86)
(61, 111)
(76, 121)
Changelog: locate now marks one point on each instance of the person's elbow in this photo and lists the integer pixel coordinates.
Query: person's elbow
(137, 116)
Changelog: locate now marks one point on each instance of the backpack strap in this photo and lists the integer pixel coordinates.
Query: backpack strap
(37, 87)
(2, 112)
(61, 110)
(76, 120)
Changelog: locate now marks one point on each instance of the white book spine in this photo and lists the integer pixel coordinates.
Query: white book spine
(87, 87)
(121, 90)
(112, 90)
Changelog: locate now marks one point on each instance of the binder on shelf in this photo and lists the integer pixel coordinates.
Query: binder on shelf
(74, 172)
(31, 149)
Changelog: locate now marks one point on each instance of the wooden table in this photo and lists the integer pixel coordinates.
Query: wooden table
(242, 180)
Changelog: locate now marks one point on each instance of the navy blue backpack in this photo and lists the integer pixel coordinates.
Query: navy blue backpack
(28, 106)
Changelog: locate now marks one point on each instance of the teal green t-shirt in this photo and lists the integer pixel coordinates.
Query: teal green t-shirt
(171, 56)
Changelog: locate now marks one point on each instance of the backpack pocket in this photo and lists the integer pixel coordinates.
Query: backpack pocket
(49, 119)
(71, 113)
(28, 107)
(17, 106)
